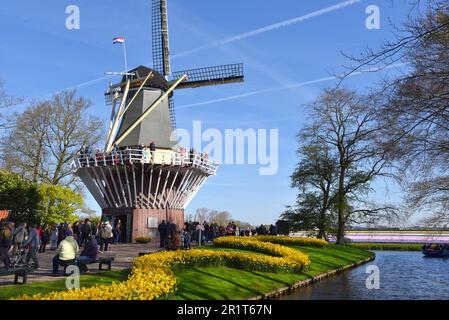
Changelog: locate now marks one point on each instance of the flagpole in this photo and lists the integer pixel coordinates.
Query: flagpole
(126, 58)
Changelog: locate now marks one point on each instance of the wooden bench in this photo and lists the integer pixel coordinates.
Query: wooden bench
(101, 261)
(17, 272)
(141, 254)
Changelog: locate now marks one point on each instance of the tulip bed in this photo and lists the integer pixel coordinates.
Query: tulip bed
(152, 276)
(293, 241)
(297, 259)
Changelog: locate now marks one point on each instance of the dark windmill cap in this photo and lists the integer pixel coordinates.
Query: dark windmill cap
(157, 81)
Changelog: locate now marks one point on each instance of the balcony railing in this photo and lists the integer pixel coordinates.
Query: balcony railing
(145, 156)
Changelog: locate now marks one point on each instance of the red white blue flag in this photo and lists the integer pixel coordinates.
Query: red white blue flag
(118, 40)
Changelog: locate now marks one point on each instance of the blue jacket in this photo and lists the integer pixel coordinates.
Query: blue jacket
(33, 239)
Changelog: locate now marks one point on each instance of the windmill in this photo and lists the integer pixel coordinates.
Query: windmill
(142, 186)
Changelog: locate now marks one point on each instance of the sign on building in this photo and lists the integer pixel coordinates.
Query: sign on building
(152, 222)
(4, 214)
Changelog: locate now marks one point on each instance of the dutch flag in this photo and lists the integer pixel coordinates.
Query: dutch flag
(118, 40)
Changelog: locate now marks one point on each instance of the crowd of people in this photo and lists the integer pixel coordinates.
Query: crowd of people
(21, 244)
(120, 154)
(172, 238)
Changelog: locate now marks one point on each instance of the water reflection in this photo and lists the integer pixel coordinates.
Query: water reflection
(403, 275)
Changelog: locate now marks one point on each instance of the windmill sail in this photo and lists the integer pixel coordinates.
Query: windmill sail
(210, 76)
(161, 52)
(171, 107)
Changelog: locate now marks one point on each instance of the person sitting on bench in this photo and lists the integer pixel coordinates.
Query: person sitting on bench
(65, 253)
(89, 254)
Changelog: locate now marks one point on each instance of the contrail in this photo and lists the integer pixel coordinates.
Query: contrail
(286, 87)
(244, 35)
(84, 84)
(271, 27)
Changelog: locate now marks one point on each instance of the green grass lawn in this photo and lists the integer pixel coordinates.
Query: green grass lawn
(232, 284)
(388, 246)
(89, 280)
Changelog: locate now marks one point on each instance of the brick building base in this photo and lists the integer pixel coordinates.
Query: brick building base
(143, 222)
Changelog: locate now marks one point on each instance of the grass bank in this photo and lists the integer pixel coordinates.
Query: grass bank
(222, 283)
(387, 246)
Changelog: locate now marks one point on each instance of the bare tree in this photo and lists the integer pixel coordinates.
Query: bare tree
(6, 101)
(220, 217)
(201, 214)
(47, 135)
(415, 106)
(343, 123)
(24, 150)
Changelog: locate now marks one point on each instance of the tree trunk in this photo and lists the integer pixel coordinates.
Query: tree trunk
(38, 159)
(341, 231)
(341, 205)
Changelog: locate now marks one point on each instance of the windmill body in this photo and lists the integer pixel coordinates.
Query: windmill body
(143, 176)
(157, 126)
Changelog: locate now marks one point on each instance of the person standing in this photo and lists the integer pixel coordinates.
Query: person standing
(200, 233)
(215, 231)
(163, 234)
(5, 243)
(33, 245)
(273, 230)
(106, 236)
(39, 232)
(54, 238)
(191, 230)
(206, 233)
(76, 231)
(69, 230)
(86, 232)
(118, 232)
(186, 237)
(229, 230)
(19, 236)
(61, 233)
(175, 237)
(45, 239)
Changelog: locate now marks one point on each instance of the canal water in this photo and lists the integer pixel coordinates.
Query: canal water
(402, 276)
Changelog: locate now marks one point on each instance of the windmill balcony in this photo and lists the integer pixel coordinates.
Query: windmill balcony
(144, 156)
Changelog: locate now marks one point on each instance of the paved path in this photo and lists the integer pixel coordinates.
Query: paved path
(124, 254)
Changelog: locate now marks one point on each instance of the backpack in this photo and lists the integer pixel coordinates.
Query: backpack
(106, 233)
(6, 237)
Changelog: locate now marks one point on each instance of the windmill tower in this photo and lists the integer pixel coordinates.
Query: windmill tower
(136, 185)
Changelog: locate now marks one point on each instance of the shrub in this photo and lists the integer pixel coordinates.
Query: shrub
(143, 239)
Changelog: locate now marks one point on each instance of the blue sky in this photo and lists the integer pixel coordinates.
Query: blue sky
(39, 56)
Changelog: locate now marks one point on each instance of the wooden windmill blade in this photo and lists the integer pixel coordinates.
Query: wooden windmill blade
(161, 51)
(210, 76)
